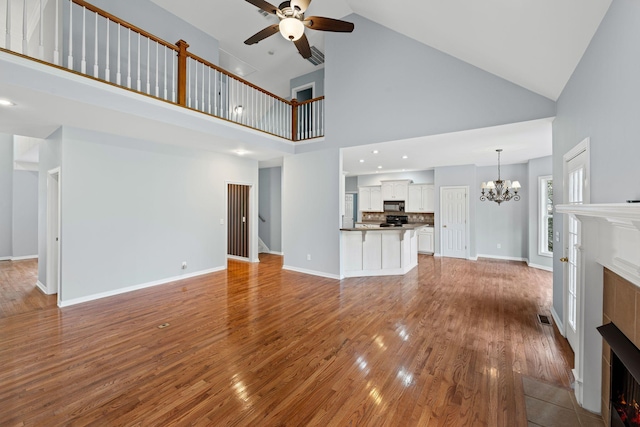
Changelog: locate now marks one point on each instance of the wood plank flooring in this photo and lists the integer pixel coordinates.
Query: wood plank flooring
(444, 345)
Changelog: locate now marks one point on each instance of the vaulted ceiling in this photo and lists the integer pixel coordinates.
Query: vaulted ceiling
(533, 43)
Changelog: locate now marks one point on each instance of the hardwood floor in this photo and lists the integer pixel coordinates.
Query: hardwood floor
(445, 345)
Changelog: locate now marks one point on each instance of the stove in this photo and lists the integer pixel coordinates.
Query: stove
(395, 221)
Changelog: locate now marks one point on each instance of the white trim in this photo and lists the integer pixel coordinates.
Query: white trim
(276, 253)
(137, 287)
(437, 254)
(5, 258)
(238, 258)
(503, 258)
(540, 267)
(311, 85)
(20, 258)
(556, 319)
(473, 258)
(542, 214)
(41, 286)
(311, 272)
(50, 233)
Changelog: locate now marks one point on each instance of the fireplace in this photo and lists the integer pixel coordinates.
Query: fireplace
(624, 401)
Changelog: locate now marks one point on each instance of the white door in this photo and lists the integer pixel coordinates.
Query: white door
(453, 221)
(348, 210)
(575, 192)
(53, 233)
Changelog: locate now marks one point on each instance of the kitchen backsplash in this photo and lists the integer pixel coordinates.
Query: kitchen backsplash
(421, 218)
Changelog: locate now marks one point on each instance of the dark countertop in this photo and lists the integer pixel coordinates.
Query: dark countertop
(404, 227)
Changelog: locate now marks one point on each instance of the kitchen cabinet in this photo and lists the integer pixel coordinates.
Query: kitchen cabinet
(395, 190)
(425, 240)
(370, 199)
(421, 198)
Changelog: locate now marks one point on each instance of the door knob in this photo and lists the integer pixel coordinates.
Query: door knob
(444, 226)
(564, 259)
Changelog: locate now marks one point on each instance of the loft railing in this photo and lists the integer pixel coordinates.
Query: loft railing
(80, 37)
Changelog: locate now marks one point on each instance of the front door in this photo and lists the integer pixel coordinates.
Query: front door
(453, 223)
(575, 192)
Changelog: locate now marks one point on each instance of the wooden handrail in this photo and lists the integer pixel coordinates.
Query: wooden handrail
(124, 23)
(309, 101)
(233, 76)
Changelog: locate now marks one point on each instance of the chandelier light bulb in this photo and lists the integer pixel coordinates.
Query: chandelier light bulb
(499, 191)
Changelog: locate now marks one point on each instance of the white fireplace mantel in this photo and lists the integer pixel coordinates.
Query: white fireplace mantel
(609, 237)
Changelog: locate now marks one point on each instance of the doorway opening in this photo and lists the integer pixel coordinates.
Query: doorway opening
(238, 211)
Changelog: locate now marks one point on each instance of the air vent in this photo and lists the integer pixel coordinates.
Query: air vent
(544, 320)
(263, 13)
(316, 57)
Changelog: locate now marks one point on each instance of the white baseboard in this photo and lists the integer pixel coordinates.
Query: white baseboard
(20, 258)
(540, 267)
(504, 258)
(558, 322)
(437, 254)
(43, 288)
(276, 253)
(137, 287)
(311, 272)
(238, 258)
(473, 258)
(5, 258)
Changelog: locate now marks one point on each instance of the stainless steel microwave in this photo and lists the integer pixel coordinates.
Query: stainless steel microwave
(393, 206)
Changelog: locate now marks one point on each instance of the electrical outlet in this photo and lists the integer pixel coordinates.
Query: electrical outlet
(499, 246)
(184, 265)
(308, 257)
(221, 221)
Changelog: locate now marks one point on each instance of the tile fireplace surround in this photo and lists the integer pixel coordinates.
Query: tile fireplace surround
(609, 243)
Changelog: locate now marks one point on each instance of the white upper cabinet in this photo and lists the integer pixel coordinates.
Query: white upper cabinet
(395, 190)
(370, 199)
(421, 198)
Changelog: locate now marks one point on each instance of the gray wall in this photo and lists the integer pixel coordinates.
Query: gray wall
(351, 183)
(25, 213)
(152, 18)
(404, 89)
(50, 157)
(537, 167)
(506, 224)
(6, 195)
(600, 101)
(317, 77)
(311, 201)
(270, 207)
(132, 211)
(457, 176)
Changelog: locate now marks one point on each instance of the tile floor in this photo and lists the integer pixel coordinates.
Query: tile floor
(552, 406)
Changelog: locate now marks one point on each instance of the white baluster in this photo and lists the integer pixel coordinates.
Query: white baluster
(56, 47)
(70, 56)
(107, 77)
(41, 41)
(148, 66)
(118, 74)
(165, 73)
(157, 70)
(188, 84)
(25, 43)
(96, 70)
(7, 39)
(209, 76)
(173, 75)
(216, 94)
(129, 58)
(195, 73)
(83, 62)
(203, 108)
(138, 82)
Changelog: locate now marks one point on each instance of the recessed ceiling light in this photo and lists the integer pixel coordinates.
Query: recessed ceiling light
(6, 103)
(405, 157)
(379, 167)
(375, 151)
(361, 160)
(241, 152)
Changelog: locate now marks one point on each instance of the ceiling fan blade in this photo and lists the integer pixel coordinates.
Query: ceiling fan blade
(328, 24)
(303, 46)
(267, 7)
(301, 5)
(263, 34)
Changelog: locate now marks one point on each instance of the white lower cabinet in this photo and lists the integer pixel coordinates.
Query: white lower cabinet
(425, 240)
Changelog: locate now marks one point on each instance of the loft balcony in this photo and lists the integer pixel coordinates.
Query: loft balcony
(77, 37)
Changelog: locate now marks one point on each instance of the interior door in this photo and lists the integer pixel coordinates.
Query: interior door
(575, 178)
(453, 222)
(349, 210)
(238, 220)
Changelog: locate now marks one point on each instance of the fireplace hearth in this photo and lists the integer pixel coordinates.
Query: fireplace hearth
(625, 378)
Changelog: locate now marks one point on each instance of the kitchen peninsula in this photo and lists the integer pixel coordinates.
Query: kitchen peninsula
(372, 250)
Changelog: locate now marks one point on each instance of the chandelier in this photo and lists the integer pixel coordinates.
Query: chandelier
(500, 191)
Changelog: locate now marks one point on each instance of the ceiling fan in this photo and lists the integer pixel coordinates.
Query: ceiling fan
(292, 24)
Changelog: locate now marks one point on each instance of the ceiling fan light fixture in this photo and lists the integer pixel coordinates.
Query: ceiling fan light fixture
(291, 28)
